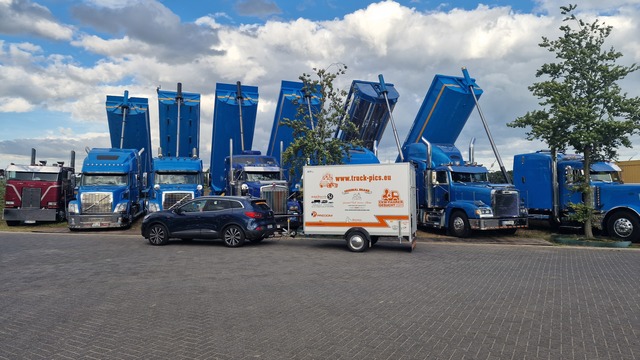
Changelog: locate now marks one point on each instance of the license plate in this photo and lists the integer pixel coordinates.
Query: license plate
(269, 226)
(508, 222)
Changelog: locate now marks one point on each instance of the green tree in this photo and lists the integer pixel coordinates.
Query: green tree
(583, 106)
(316, 144)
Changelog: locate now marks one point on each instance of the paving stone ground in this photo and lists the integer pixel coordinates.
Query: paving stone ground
(104, 295)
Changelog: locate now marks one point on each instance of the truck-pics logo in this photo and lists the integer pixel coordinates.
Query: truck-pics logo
(327, 181)
(390, 198)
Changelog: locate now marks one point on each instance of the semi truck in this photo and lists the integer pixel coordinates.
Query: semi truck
(247, 171)
(455, 194)
(549, 186)
(361, 203)
(113, 183)
(177, 170)
(38, 192)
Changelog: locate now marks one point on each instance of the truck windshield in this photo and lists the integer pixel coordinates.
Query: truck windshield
(32, 176)
(104, 179)
(263, 176)
(469, 177)
(605, 176)
(176, 178)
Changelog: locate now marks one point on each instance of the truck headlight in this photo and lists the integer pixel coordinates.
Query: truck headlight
(153, 207)
(72, 208)
(9, 203)
(122, 207)
(484, 212)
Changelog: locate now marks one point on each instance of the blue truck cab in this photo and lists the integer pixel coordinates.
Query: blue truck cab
(455, 194)
(175, 180)
(252, 173)
(549, 188)
(177, 170)
(109, 194)
(114, 181)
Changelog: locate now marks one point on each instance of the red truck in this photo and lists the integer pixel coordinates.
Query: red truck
(38, 192)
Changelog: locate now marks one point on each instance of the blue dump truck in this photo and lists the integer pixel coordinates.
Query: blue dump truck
(177, 170)
(291, 97)
(454, 194)
(113, 182)
(246, 171)
(549, 187)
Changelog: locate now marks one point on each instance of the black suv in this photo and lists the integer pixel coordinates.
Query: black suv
(230, 218)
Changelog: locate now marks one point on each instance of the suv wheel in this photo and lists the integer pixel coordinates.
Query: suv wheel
(233, 236)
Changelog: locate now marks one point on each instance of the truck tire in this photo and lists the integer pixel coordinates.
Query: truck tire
(357, 241)
(233, 236)
(158, 235)
(624, 225)
(459, 224)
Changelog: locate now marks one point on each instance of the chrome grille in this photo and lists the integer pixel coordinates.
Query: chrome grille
(97, 202)
(171, 198)
(505, 203)
(276, 197)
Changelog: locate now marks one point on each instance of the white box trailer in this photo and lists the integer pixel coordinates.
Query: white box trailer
(360, 202)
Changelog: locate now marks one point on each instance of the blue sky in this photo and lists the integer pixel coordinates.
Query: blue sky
(59, 59)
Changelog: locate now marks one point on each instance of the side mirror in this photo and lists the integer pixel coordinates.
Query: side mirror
(568, 173)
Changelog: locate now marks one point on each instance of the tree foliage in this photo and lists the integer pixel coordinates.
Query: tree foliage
(317, 144)
(583, 106)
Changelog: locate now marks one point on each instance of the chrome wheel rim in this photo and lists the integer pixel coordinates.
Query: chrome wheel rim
(623, 227)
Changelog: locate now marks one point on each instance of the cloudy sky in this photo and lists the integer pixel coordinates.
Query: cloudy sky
(59, 59)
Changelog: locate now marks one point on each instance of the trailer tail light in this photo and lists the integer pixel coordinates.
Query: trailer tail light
(254, 214)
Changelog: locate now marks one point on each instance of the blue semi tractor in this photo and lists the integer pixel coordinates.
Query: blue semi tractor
(246, 171)
(113, 181)
(177, 170)
(549, 186)
(452, 193)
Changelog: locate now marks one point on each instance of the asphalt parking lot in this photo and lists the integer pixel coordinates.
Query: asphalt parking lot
(108, 295)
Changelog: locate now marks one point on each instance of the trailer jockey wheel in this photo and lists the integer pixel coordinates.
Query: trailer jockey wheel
(357, 241)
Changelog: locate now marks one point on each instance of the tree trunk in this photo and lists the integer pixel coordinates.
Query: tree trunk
(588, 198)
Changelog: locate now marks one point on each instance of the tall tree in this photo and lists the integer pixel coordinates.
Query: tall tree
(316, 143)
(583, 106)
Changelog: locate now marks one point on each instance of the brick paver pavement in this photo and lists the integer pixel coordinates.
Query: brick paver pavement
(100, 295)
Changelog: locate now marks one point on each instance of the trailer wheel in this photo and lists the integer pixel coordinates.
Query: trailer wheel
(13, 222)
(233, 236)
(459, 224)
(357, 241)
(624, 225)
(158, 235)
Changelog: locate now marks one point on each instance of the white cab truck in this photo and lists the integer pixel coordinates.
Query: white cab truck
(360, 202)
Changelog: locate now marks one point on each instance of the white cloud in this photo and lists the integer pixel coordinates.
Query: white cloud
(497, 45)
(15, 105)
(25, 17)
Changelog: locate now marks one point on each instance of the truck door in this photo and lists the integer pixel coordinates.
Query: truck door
(569, 186)
(441, 189)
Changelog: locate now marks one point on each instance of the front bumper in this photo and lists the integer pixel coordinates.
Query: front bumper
(31, 215)
(501, 223)
(98, 221)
